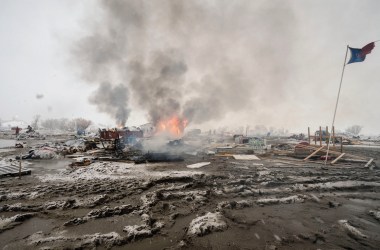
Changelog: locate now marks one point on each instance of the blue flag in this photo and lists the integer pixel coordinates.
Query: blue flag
(358, 55)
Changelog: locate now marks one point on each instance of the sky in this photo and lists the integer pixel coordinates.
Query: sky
(218, 63)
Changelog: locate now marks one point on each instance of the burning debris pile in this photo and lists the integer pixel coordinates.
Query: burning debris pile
(173, 127)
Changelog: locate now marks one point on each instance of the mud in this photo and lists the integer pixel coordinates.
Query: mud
(262, 204)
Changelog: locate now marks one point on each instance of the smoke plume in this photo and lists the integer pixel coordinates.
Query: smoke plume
(196, 59)
(112, 100)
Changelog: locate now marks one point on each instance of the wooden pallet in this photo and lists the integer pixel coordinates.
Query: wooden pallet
(7, 171)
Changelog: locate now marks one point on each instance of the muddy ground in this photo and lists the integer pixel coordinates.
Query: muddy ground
(228, 204)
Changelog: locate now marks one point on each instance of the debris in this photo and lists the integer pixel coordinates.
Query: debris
(283, 147)
(198, 165)
(31, 135)
(369, 163)
(12, 168)
(337, 159)
(41, 153)
(82, 161)
(246, 157)
(314, 153)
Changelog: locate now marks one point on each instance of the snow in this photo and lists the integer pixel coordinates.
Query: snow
(108, 238)
(46, 153)
(7, 223)
(285, 200)
(198, 165)
(137, 231)
(113, 170)
(246, 157)
(351, 230)
(336, 185)
(206, 224)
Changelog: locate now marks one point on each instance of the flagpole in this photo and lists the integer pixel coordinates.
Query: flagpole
(336, 106)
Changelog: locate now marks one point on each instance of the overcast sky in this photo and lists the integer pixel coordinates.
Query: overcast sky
(307, 49)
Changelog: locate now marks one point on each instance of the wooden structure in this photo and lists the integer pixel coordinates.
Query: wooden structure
(12, 170)
(325, 137)
(315, 149)
(336, 155)
(113, 137)
(109, 134)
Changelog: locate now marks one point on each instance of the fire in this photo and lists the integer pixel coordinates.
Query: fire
(173, 126)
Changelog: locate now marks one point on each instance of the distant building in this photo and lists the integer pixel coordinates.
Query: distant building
(148, 129)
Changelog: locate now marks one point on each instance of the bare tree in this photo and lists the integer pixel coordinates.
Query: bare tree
(48, 123)
(354, 129)
(66, 124)
(61, 124)
(35, 121)
(82, 123)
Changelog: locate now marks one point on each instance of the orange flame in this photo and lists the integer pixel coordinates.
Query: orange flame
(173, 126)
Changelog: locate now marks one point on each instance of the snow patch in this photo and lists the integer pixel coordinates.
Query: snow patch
(8, 223)
(206, 224)
(285, 200)
(351, 230)
(198, 165)
(113, 171)
(246, 157)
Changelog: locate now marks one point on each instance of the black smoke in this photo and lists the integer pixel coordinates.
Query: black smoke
(198, 59)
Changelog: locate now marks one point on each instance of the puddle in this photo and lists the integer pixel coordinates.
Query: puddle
(42, 167)
(7, 143)
(5, 150)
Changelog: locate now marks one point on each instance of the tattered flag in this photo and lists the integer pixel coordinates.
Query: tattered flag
(358, 55)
